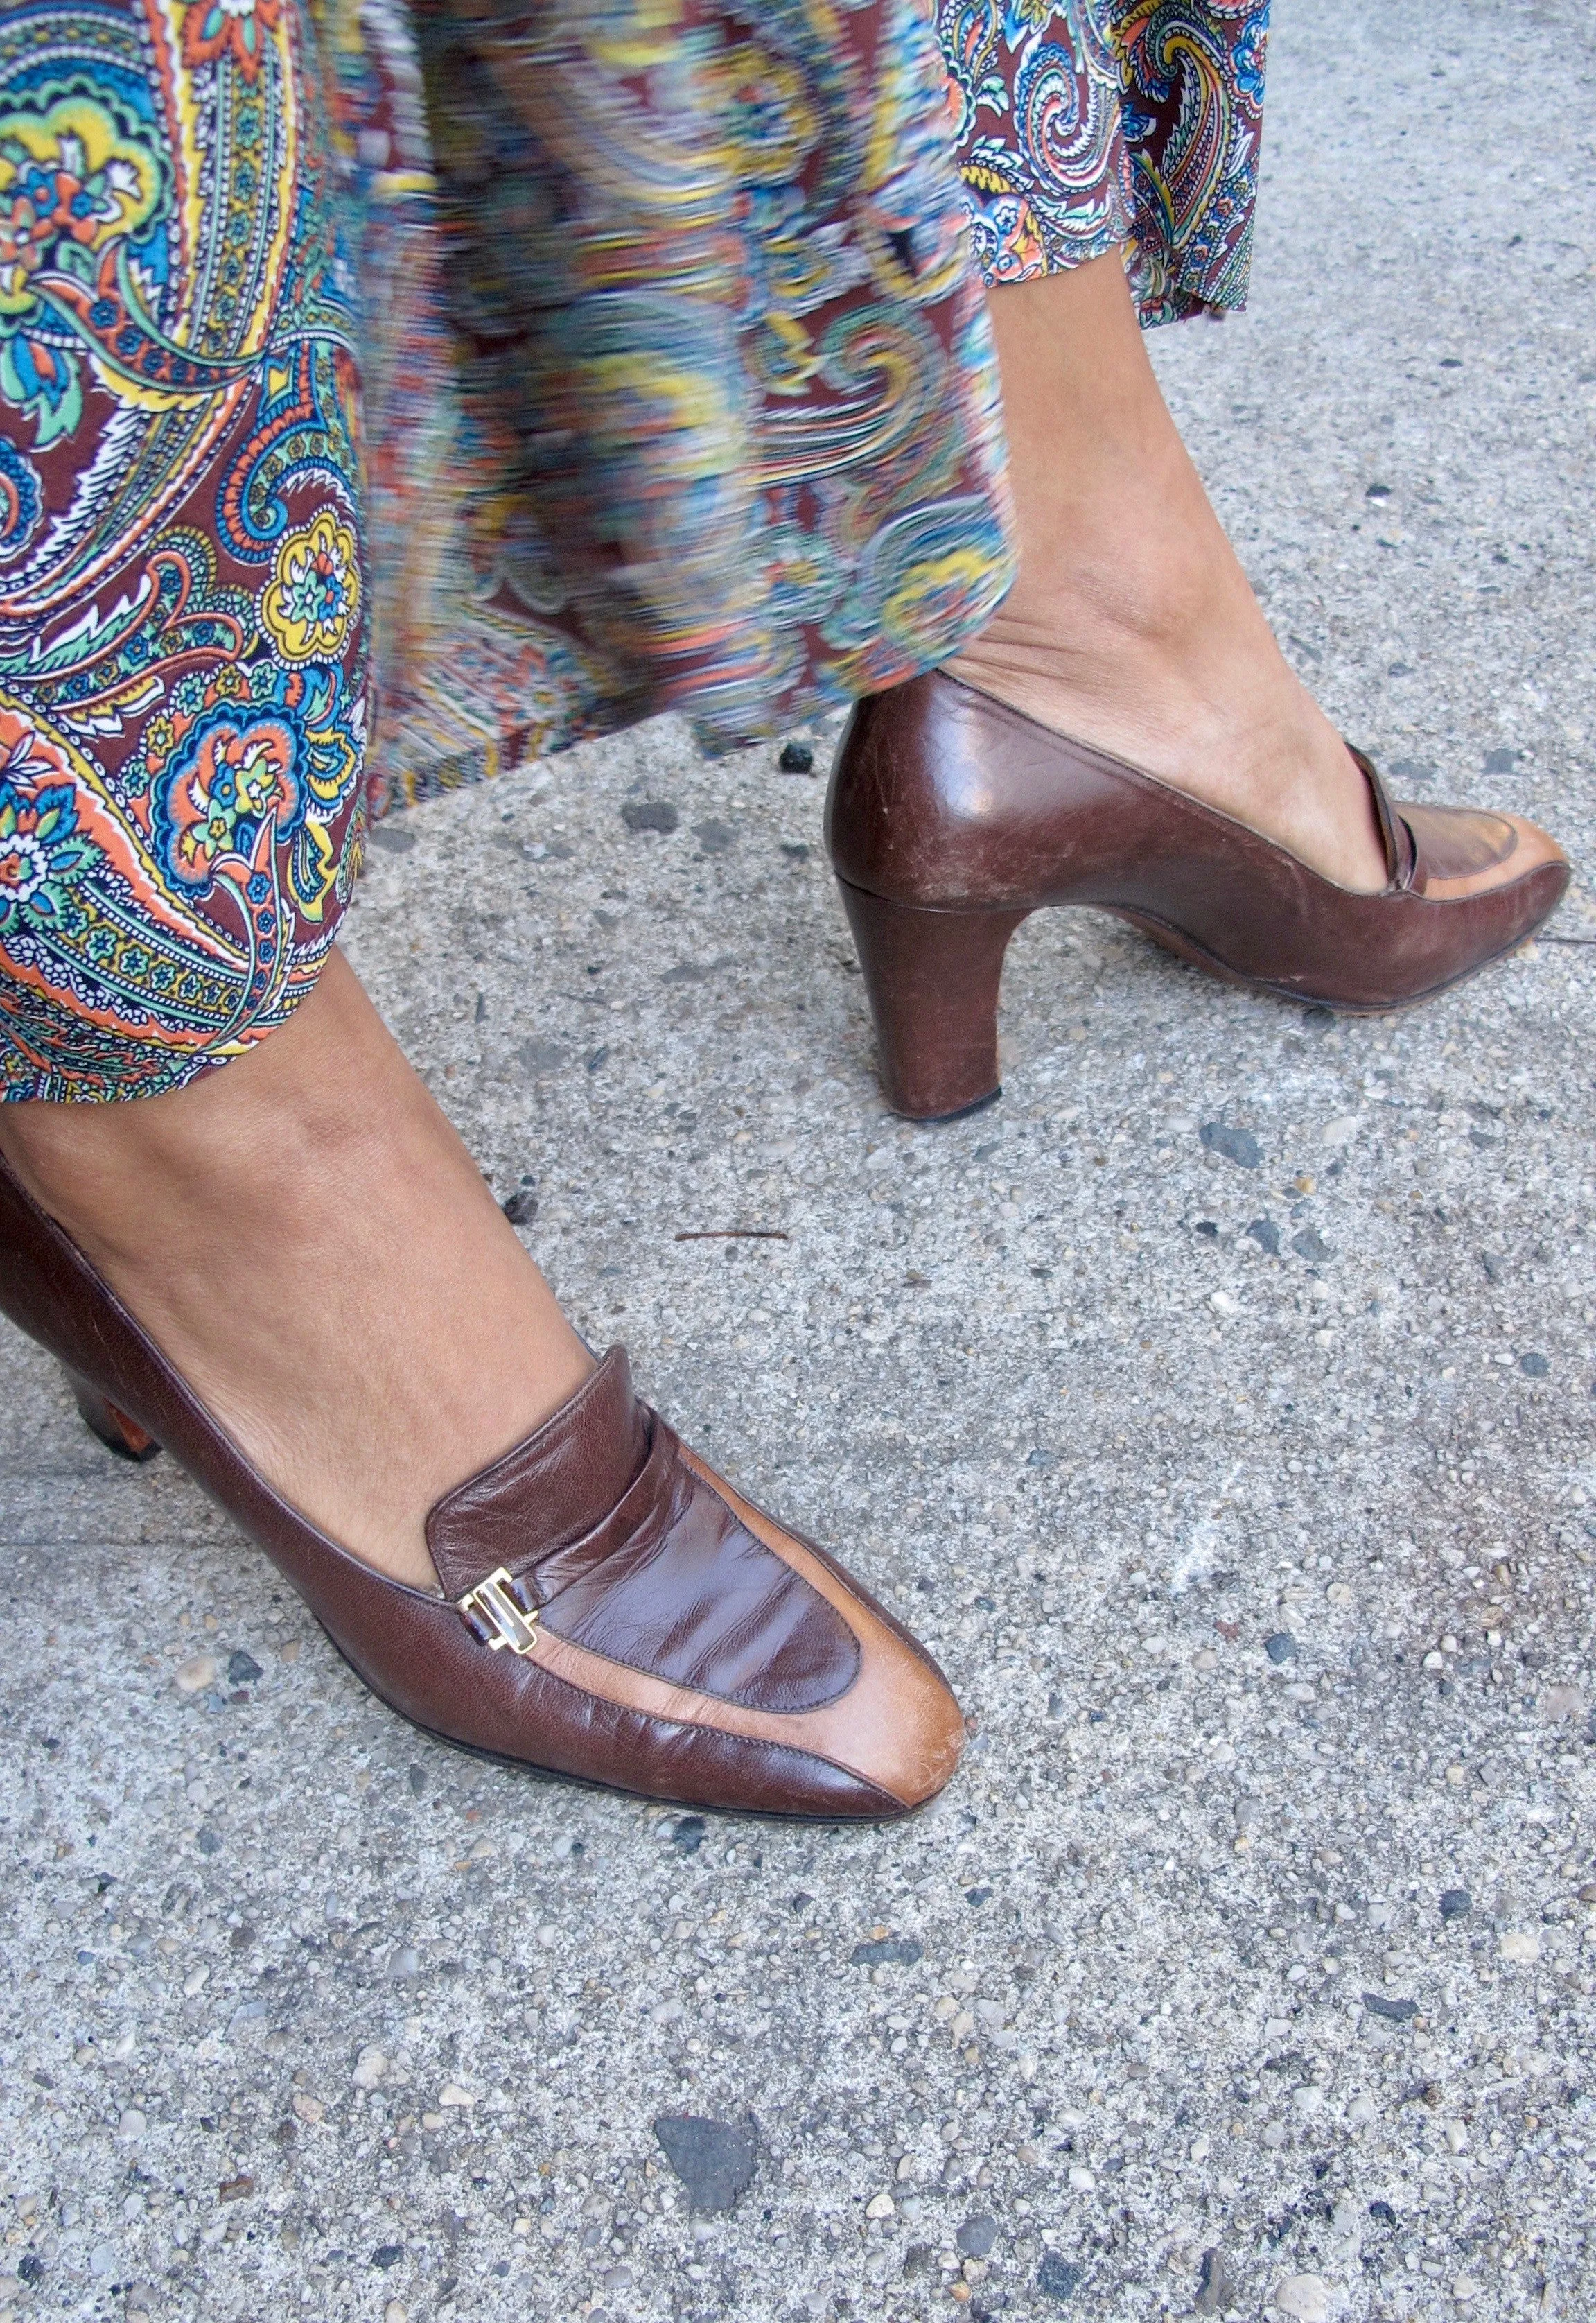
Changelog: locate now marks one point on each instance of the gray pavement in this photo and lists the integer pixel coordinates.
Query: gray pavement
(1242, 1476)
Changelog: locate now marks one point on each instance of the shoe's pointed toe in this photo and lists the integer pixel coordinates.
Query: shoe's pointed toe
(609, 1609)
(678, 1641)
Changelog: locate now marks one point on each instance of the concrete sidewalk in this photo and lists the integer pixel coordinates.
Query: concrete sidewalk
(1219, 1408)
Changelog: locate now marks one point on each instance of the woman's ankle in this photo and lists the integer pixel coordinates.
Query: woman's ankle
(306, 1238)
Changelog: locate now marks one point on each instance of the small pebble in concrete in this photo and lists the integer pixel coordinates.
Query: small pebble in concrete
(1304, 2297)
(1267, 1235)
(1281, 1647)
(1218, 2288)
(1237, 1145)
(650, 815)
(201, 1673)
(796, 759)
(714, 2160)
(976, 2236)
(900, 1951)
(1059, 2277)
(242, 1668)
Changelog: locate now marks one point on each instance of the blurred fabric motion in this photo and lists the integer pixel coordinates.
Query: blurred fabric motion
(391, 391)
(678, 386)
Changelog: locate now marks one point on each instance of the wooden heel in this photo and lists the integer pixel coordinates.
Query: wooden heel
(932, 978)
(115, 1430)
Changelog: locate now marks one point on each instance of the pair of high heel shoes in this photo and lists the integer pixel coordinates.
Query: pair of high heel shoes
(609, 1608)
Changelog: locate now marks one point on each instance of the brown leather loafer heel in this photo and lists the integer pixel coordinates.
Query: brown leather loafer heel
(951, 818)
(610, 1610)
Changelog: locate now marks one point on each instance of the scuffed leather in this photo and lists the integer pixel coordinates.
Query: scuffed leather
(1457, 842)
(944, 799)
(414, 1649)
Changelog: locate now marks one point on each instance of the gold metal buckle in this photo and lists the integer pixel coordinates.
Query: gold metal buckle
(494, 1614)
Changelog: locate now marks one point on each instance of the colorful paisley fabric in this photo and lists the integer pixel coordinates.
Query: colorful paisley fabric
(1100, 123)
(467, 377)
(183, 641)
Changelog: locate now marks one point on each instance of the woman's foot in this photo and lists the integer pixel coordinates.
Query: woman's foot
(308, 1240)
(1132, 625)
(309, 1243)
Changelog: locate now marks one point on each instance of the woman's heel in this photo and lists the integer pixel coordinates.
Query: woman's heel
(115, 1430)
(932, 978)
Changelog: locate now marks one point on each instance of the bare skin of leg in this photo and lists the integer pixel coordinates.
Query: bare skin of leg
(1132, 625)
(304, 1236)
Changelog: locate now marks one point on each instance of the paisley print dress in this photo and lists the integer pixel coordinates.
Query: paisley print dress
(390, 392)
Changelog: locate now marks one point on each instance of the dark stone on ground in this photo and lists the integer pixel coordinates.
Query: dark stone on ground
(1457, 1903)
(1281, 1647)
(1216, 2285)
(713, 836)
(1059, 2277)
(521, 1208)
(1399, 2011)
(895, 1951)
(976, 2236)
(649, 815)
(243, 1669)
(714, 2160)
(687, 1836)
(1267, 1235)
(1310, 1244)
(387, 2254)
(1533, 1366)
(1237, 1145)
(796, 759)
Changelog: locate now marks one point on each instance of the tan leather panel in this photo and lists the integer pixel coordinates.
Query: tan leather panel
(1463, 854)
(897, 1726)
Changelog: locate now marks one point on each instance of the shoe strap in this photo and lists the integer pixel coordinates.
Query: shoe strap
(1401, 851)
(549, 1491)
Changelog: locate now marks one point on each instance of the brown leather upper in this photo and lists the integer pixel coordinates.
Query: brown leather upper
(686, 1646)
(568, 1475)
(945, 799)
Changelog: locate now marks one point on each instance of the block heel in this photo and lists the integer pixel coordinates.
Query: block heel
(115, 1430)
(932, 979)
